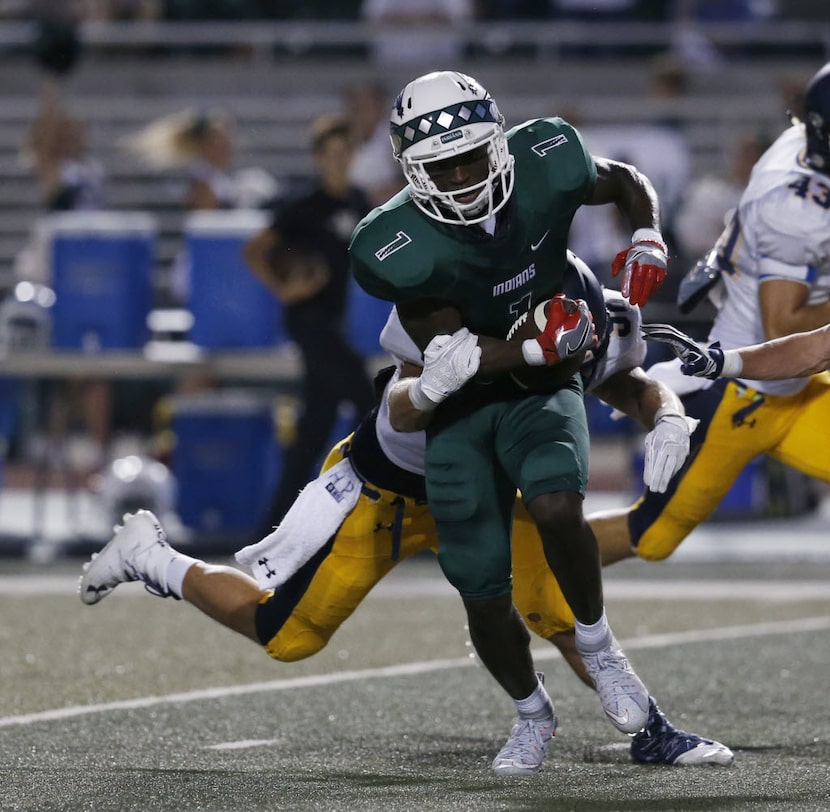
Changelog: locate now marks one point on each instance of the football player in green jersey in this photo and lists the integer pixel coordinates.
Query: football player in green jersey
(475, 240)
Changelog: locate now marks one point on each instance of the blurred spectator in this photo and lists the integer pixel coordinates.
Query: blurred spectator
(426, 32)
(203, 144)
(68, 180)
(373, 169)
(690, 40)
(303, 258)
(710, 199)
(56, 150)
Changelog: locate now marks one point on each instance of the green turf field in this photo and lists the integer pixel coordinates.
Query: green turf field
(143, 704)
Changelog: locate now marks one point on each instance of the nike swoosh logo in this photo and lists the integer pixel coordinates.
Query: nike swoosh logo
(619, 718)
(571, 348)
(535, 246)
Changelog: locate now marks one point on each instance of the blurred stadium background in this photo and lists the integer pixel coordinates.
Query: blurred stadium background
(627, 73)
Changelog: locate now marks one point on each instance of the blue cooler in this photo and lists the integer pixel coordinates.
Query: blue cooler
(231, 308)
(102, 267)
(365, 318)
(225, 459)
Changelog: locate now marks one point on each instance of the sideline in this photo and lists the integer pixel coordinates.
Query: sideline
(802, 625)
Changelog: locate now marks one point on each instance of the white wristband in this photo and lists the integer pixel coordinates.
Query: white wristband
(733, 364)
(532, 353)
(648, 235)
(418, 399)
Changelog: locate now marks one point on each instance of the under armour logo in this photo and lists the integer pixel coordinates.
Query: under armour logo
(739, 418)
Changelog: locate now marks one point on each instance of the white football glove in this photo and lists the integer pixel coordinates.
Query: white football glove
(449, 362)
(667, 446)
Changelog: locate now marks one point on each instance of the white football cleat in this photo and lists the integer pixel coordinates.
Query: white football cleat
(623, 696)
(525, 749)
(138, 551)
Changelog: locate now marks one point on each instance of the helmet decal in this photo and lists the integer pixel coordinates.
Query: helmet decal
(440, 122)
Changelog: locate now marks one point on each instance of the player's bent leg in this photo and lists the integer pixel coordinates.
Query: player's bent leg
(298, 619)
(736, 424)
(612, 534)
(224, 594)
(536, 591)
(798, 448)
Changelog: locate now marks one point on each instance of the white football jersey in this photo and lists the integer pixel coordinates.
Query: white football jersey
(626, 349)
(780, 230)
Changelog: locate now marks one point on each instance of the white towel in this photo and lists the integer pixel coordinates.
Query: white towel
(313, 519)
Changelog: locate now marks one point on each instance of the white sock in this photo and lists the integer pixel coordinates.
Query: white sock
(537, 706)
(176, 570)
(593, 637)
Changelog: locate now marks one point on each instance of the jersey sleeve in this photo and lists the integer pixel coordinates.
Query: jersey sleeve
(554, 152)
(793, 234)
(392, 257)
(396, 341)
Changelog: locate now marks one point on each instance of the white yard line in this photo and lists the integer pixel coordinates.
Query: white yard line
(404, 585)
(409, 669)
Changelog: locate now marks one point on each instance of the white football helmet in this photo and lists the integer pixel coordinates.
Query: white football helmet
(440, 115)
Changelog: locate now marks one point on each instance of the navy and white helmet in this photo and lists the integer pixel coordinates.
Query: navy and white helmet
(817, 120)
(440, 115)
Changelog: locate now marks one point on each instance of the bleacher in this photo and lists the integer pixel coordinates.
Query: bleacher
(275, 77)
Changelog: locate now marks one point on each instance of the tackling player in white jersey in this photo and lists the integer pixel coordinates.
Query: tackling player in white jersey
(771, 268)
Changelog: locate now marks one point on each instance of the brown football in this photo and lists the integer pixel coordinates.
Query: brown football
(546, 378)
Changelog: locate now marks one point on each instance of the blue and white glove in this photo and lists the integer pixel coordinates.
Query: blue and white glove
(702, 362)
(449, 362)
(666, 447)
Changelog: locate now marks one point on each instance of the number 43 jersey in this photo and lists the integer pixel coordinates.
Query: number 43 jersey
(779, 231)
(400, 254)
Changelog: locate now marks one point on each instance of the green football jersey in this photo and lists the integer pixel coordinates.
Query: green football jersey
(399, 254)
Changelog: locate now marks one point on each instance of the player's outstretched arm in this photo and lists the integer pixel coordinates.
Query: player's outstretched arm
(792, 356)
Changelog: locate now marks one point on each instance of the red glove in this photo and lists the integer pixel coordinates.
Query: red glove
(569, 329)
(643, 265)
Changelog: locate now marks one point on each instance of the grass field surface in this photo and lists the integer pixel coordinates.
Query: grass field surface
(143, 704)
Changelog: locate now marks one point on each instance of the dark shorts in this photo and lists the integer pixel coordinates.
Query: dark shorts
(538, 444)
